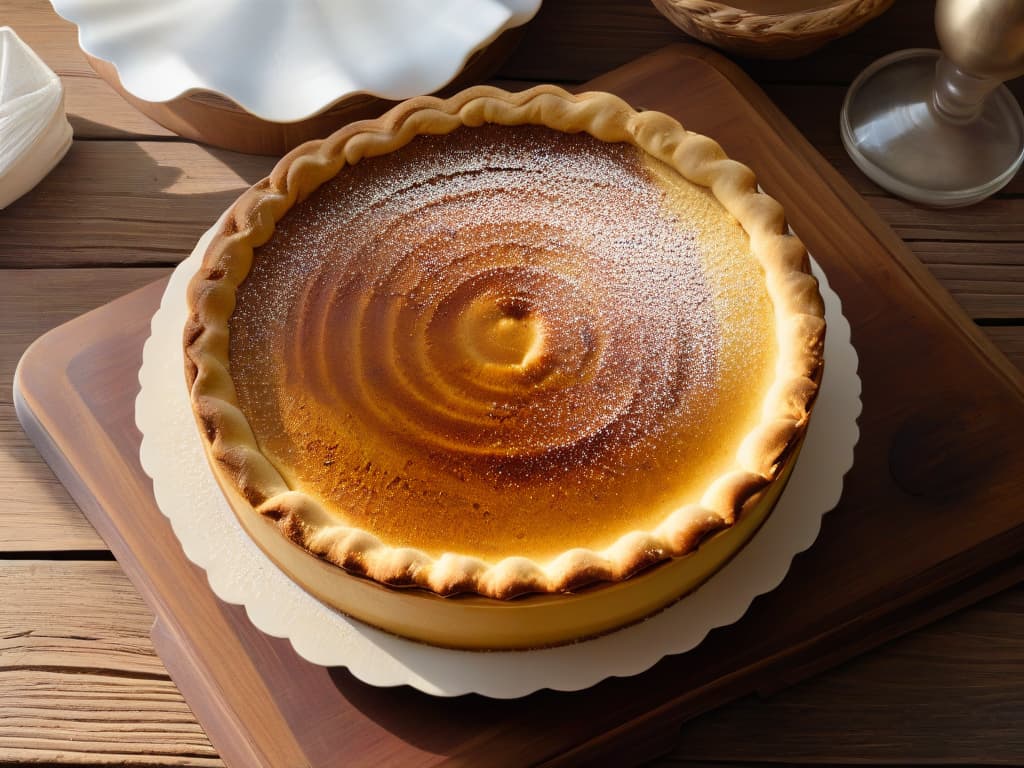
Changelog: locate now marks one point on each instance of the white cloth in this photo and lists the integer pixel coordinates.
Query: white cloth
(34, 130)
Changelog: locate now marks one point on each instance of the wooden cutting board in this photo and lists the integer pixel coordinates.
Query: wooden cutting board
(931, 519)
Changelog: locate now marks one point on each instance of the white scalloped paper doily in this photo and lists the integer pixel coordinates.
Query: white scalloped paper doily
(287, 60)
(239, 572)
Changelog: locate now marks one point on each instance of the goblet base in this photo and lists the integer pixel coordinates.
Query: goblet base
(894, 134)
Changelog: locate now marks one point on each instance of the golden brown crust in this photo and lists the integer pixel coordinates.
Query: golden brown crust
(250, 222)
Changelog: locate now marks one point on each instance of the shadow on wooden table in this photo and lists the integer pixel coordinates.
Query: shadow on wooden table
(118, 203)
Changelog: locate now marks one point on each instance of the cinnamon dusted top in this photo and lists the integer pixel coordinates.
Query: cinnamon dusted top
(503, 341)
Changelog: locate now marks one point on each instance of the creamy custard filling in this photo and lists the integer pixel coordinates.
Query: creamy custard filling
(503, 340)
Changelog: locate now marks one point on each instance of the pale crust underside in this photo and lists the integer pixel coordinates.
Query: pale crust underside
(232, 446)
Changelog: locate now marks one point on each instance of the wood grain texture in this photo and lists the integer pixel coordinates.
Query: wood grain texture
(79, 679)
(987, 279)
(38, 514)
(151, 210)
(998, 219)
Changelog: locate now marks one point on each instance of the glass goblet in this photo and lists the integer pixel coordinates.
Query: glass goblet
(939, 127)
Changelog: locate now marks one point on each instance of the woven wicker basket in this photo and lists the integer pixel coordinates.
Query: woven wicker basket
(769, 36)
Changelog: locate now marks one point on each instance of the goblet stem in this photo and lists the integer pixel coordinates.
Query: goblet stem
(960, 96)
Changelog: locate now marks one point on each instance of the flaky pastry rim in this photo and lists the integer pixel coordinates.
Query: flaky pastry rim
(231, 445)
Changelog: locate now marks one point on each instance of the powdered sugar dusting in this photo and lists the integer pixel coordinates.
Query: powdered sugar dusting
(489, 321)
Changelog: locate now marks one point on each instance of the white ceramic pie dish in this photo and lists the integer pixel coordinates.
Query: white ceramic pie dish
(287, 60)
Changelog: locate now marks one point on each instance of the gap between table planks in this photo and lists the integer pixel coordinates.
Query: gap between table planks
(928, 582)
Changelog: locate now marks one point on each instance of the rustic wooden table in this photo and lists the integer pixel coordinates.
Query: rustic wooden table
(79, 681)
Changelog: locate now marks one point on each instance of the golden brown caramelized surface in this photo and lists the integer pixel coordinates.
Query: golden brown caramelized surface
(503, 341)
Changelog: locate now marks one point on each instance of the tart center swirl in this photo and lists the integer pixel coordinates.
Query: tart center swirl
(479, 334)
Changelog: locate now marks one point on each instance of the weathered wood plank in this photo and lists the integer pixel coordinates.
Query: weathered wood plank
(987, 279)
(972, 254)
(151, 210)
(38, 514)
(74, 615)
(949, 694)
(998, 219)
(79, 680)
(990, 291)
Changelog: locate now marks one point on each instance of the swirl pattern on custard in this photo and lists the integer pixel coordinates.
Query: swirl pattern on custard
(483, 338)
